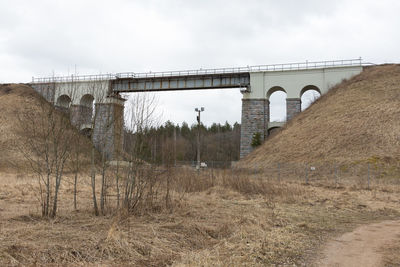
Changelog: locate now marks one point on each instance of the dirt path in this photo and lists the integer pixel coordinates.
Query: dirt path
(360, 247)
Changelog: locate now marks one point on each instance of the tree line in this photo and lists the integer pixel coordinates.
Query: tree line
(219, 143)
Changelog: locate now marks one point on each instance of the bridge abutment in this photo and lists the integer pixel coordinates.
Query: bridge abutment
(255, 117)
(108, 127)
(47, 90)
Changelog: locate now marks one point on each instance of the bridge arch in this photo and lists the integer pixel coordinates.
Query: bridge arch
(273, 90)
(309, 87)
(63, 101)
(86, 130)
(87, 101)
(308, 95)
(277, 103)
(273, 130)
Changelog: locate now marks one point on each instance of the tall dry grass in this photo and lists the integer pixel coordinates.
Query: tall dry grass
(218, 217)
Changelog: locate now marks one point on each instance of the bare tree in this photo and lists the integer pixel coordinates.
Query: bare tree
(169, 161)
(72, 91)
(102, 122)
(47, 136)
(140, 178)
(99, 90)
(140, 113)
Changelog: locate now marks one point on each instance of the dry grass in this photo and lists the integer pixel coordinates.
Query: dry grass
(15, 100)
(391, 254)
(218, 219)
(354, 122)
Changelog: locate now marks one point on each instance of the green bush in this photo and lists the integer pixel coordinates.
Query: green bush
(256, 140)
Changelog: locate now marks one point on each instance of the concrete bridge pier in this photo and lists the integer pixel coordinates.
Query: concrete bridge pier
(81, 116)
(293, 107)
(108, 127)
(102, 121)
(255, 118)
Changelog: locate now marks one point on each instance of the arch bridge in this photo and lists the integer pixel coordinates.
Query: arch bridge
(81, 95)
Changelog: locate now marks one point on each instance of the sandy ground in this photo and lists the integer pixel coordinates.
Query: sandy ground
(362, 247)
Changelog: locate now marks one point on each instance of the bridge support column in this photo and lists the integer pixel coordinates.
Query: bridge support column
(255, 118)
(108, 127)
(293, 106)
(62, 109)
(80, 115)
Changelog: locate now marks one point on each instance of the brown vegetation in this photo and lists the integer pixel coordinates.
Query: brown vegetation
(20, 105)
(391, 256)
(213, 219)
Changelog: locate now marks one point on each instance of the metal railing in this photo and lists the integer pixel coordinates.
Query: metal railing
(74, 78)
(258, 68)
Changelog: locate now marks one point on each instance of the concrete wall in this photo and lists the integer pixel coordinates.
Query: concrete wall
(100, 90)
(293, 81)
(46, 90)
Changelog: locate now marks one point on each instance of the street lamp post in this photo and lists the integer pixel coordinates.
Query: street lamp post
(198, 110)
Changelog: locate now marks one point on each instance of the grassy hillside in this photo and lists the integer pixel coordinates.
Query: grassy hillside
(15, 100)
(356, 121)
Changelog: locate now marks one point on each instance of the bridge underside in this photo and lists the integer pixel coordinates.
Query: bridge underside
(194, 82)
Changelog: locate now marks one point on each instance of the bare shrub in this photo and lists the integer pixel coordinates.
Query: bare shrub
(46, 145)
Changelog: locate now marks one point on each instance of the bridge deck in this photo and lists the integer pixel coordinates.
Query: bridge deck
(190, 82)
(194, 79)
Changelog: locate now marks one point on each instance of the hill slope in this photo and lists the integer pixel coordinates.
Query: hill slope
(355, 121)
(16, 99)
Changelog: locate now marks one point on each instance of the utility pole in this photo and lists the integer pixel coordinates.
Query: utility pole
(198, 110)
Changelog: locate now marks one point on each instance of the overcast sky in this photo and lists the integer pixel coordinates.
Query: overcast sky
(40, 37)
